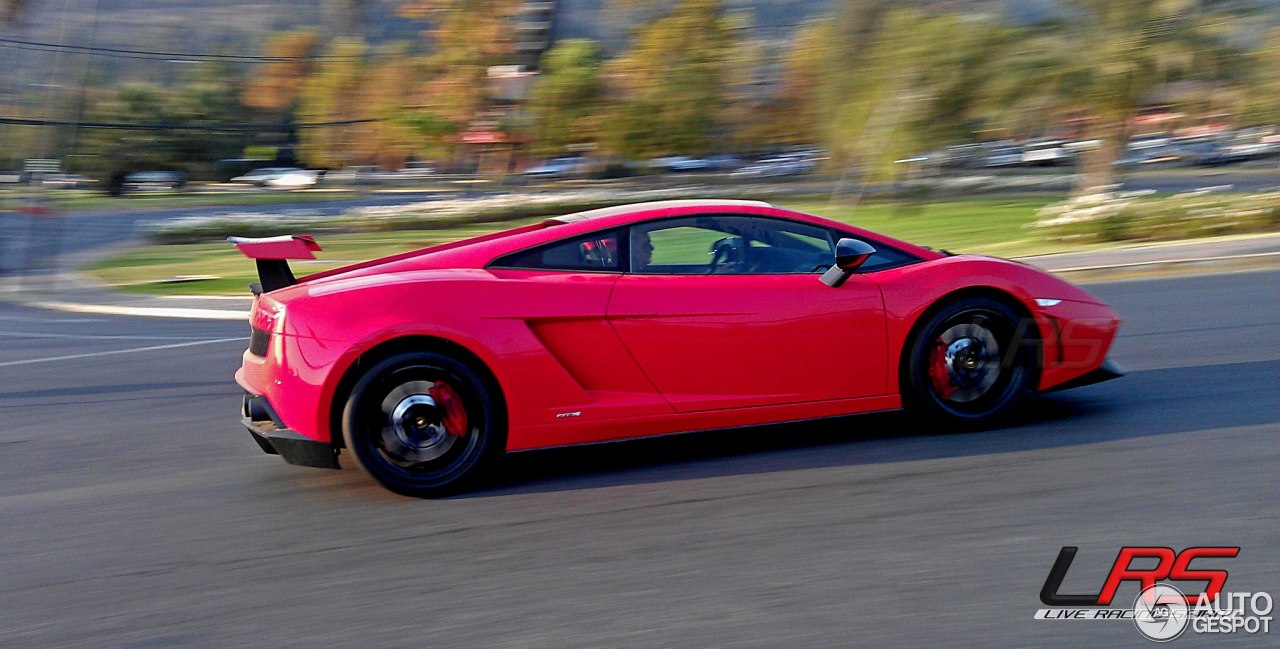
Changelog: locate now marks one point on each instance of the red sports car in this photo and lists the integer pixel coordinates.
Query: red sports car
(641, 320)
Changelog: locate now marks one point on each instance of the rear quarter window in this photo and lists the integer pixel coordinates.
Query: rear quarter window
(592, 252)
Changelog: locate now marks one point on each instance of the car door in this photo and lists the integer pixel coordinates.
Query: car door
(574, 363)
(726, 311)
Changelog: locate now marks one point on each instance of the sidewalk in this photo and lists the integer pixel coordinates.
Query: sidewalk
(77, 293)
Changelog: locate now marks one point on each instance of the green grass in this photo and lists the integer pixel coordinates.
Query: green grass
(997, 226)
(985, 225)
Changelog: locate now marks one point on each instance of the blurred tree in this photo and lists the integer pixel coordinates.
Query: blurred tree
(275, 85)
(210, 98)
(1106, 60)
(668, 89)
(392, 139)
(207, 98)
(1261, 101)
(467, 38)
(744, 91)
(794, 116)
(566, 97)
(330, 94)
(915, 84)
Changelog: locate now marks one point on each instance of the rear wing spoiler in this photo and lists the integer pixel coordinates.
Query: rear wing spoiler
(271, 255)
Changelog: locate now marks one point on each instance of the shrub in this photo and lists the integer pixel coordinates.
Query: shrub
(1110, 216)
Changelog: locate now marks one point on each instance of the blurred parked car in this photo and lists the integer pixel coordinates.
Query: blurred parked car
(261, 177)
(1045, 153)
(558, 168)
(358, 174)
(295, 179)
(788, 165)
(142, 181)
(1004, 155)
(1152, 150)
(14, 177)
(961, 156)
(65, 181)
(416, 169)
(723, 162)
(680, 164)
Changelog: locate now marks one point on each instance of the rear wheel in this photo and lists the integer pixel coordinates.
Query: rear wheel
(969, 362)
(423, 424)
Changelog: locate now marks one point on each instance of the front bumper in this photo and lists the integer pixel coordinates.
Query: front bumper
(257, 415)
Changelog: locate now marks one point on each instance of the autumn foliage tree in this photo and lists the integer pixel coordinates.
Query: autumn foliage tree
(330, 94)
(794, 114)
(389, 139)
(566, 99)
(275, 85)
(467, 37)
(668, 90)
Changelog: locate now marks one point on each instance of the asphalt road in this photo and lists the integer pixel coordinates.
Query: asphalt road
(1240, 179)
(137, 513)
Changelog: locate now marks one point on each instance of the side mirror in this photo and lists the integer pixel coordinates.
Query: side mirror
(850, 255)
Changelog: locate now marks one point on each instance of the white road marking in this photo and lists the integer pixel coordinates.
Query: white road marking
(144, 311)
(69, 357)
(238, 298)
(32, 334)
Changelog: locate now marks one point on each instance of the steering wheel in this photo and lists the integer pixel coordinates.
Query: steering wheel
(726, 255)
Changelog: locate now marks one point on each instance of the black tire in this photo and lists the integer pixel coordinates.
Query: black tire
(402, 424)
(969, 362)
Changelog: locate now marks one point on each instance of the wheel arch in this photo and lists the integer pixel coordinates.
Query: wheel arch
(352, 372)
(989, 292)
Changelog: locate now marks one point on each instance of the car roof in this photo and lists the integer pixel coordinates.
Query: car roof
(619, 210)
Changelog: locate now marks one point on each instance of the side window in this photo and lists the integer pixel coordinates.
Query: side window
(737, 245)
(680, 246)
(592, 252)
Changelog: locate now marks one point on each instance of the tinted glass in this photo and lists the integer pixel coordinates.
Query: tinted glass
(598, 251)
(737, 245)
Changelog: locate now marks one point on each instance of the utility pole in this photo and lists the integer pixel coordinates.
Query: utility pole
(84, 81)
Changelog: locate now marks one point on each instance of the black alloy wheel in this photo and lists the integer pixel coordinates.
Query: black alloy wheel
(423, 424)
(969, 362)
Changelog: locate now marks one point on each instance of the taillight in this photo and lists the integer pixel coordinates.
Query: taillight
(264, 321)
(259, 340)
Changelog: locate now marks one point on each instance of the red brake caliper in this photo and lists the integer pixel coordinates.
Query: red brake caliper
(455, 416)
(938, 372)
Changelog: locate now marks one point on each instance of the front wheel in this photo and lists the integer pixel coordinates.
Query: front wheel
(969, 362)
(423, 424)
